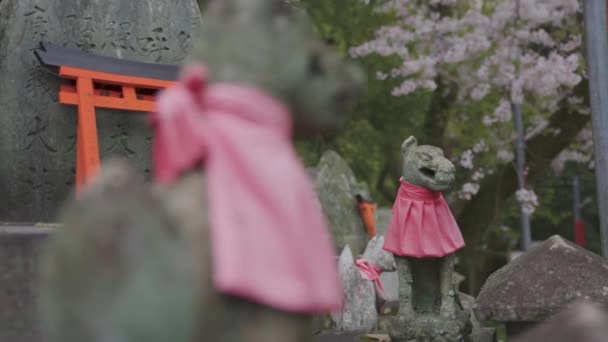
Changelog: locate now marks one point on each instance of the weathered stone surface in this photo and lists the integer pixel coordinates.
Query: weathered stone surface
(383, 220)
(97, 280)
(516, 253)
(479, 332)
(337, 186)
(137, 255)
(20, 248)
(429, 308)
(337, 337)
(542, 281)
(458, 279)
(388, 300)
(467, 302)
(359, 313)
(37, 134)
(580, 322)
(483, 334)
(388, 304)
(312, 172)
(431, 328)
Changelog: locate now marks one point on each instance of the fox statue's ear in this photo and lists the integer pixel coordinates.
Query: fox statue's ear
(408, 144)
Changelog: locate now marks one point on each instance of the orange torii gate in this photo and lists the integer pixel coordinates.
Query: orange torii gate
(95, 88)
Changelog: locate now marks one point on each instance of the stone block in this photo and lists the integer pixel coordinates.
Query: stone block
(20, 249)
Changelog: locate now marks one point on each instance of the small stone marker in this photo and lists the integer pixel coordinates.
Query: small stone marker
(540, 283)
(337, 187)
(359, 313)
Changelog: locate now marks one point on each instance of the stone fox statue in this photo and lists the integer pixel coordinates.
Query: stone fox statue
(423, 236)
(230, 244)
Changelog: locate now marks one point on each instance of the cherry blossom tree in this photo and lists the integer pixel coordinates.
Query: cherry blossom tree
(524, 51)
(481, 58)
(463, 107)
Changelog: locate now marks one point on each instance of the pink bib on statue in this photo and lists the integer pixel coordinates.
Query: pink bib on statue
(371, 272)
(269, 239)
(422, 225)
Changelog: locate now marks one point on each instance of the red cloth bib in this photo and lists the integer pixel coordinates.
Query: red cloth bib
(269, 239)
(422, 225)
(371, 272)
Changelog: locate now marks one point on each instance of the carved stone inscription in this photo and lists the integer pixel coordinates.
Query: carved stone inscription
(37, 134)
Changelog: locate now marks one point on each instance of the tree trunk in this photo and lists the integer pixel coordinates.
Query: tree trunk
(433, 133)
(480, 212)
(436, 120)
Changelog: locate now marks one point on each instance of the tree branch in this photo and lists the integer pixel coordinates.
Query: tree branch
(437, 118)
(480, 212)
(380, 182)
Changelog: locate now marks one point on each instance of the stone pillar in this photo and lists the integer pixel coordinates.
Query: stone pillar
(37, 134)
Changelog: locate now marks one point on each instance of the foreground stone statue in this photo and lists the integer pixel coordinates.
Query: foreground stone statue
(37, 134)
(224, 254)
(423, 236)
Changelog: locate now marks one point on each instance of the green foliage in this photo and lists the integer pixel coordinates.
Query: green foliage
(379, 122)
(555, 215)
(345, 26)
(357, 142)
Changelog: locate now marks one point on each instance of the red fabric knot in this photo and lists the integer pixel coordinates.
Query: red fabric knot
(195, 80)
(371, 272)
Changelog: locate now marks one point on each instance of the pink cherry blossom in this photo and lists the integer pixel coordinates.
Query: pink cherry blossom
(525, 51)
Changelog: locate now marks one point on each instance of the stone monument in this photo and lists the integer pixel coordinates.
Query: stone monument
(337, 188)
(37, 134)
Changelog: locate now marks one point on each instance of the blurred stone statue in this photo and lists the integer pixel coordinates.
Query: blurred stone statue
(230, 243)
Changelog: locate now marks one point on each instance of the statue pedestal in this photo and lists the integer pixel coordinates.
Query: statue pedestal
(431, 328)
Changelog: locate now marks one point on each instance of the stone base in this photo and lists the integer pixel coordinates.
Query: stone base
(483, 334)
(431, 328)
(20, 248)
(480, 333)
